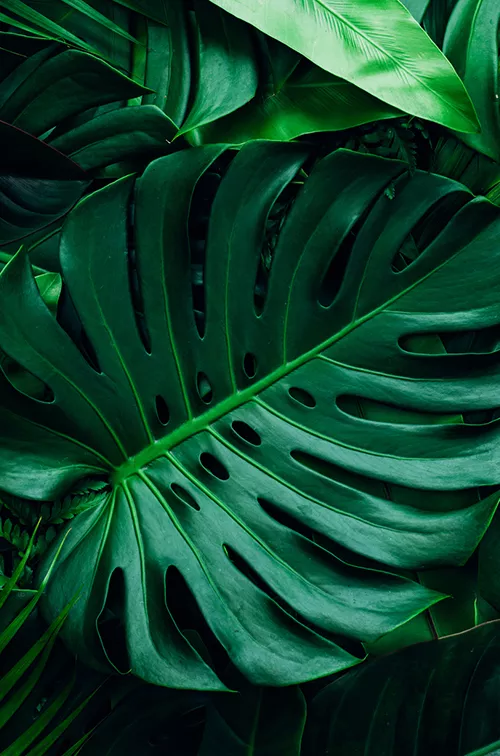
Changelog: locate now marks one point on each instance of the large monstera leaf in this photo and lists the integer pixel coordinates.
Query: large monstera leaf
(216, 390)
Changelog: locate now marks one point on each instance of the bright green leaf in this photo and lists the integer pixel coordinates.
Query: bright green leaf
(471, 44)
(310, 101)
(374, 44)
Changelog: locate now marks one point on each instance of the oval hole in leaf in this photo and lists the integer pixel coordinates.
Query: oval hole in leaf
(477, 341)
(250, 365)
(204, 388)
(134, 284)
(185, 496)
(214, 466)
(244, 431)
(162, 410)
(302, 397)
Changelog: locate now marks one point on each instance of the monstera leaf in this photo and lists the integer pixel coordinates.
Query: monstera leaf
(225, 350)
(442, 697)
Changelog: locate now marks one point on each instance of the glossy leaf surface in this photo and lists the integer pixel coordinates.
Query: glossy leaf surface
(49, 87)
(219, 79)
(226, 65)
(441, 696)
(471, 43)
(374, 44)
(311, 100)
(230, 456)
(134, 133)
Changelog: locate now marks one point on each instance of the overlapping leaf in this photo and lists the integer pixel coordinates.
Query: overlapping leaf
(376, 45)
(442, 697)
(309, 100)
(251, 722)
(225, 422)
(203, 65)
(471, 43)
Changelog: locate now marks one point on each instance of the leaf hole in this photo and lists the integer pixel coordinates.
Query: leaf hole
(134, 285)
(302, 397)
(185, 496)
(162, 410)
(275, 221)
(244, 431)
(290, 522)
(242, 566)
(383, 412)
(214, 466)
(69, 320)
(335, 272)
(198, 223)
(204, 388)
(250, 365)
(478, 341)
(110, 625)
(189, 620)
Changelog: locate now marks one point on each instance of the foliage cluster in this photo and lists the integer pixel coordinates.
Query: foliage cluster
(249, 331)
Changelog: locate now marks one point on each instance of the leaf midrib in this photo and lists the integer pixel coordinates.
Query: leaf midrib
(412, 74)
(232, 402)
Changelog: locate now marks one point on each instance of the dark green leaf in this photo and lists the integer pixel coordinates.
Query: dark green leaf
(255, 722)
(28, 205)
(44, 90)
(237, 464)
(227, 69)
(440, 697)
(41, 22)
(128, 133)
(24, 155)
